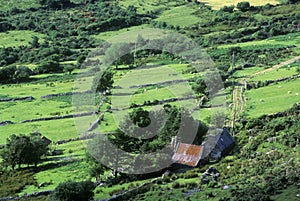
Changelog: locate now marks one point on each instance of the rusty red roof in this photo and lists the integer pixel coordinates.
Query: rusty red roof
(188, 154)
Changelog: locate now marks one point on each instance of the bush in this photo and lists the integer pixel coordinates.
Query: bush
(71, 191)
(243, 6)
(49, 67)
(176, 185)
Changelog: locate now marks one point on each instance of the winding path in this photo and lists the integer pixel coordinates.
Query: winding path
(238, 99)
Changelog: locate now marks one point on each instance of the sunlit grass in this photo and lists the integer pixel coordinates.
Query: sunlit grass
(18, 38)
(217, 4)
(272, 99)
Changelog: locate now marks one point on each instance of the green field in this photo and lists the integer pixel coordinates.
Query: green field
(109, 34)
(277, 74)
(18, 38)
(247, 72)
(57, 169)
(284, 40)
(179, 16)
(217, 4)
(272, 99)
(144, 6)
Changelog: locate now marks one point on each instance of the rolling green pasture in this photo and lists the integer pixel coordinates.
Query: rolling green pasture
(179, 16)
(144, 6)
(247, 72)
(109, 34)
(277, 74)
(18, 38)
(54, 129)
(36, 90)
(272, 99)
(130, 35)
(282, 40)
(57, 169)
(25, 110)
(59, 173)
(43, 88)
(217, 4)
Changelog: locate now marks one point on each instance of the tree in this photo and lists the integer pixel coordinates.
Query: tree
(228, 9)
(35, 42)
(80, 59)
(7, 74)
(71, 191)
(118, 54)
(199, 85)
(140, 117)
(56, 4)
(69, 68)
(23, 149)
(243, 6)
(103, 81)
(39, 148)
(13, 74)
(49, 67)
(22, 74)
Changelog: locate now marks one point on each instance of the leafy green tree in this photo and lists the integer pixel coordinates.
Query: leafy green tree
(103, 81)
(7, 74)
(48, 67)
(35, 42)
(22, 74)
(243, 6)
(56, 4)
(118, 54)
(23, 149)
(39, 148)
(199, 85)
(140, 117)
(228, 9)
(100, 148)
(13, 74)
(71, 191)
(69, 68)
(81, 59)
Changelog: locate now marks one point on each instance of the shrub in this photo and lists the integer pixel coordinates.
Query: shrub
(70, 191)
(243, 6)
(176, 185)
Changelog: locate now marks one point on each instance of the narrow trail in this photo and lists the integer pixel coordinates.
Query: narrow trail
(280, 65)
(238, 98)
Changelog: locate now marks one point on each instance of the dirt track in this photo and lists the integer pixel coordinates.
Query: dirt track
(239, 100)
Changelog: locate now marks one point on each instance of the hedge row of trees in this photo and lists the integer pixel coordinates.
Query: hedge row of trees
(13, 74)
(23, 149)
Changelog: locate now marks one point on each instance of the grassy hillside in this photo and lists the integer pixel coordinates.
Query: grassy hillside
(217, 4)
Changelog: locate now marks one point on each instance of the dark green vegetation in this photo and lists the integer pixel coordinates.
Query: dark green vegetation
(23, 150)
(43, 45)
(69, 191)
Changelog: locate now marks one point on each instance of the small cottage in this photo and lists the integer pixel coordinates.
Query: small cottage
(46, 140)
(216, 145)
(187, 154)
